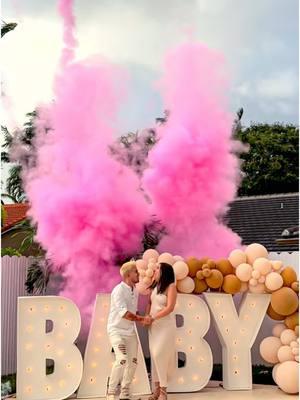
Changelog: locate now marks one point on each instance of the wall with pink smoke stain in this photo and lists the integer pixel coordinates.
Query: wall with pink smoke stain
(193, 173)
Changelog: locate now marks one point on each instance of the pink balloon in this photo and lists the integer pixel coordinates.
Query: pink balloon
(287, 377)
(269, 348)
(141, 264)
(150, 253)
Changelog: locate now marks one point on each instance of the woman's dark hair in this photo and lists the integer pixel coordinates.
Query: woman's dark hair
(167, 277)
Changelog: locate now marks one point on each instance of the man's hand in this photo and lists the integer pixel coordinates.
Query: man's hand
(147, 320)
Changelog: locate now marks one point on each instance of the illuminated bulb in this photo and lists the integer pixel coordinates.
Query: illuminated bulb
(60, 352)
(61, 308)
(236, 372)
(179, 340)
(190, 305)
(235, 358)
(46, 308)
(197, 317)
(29, 389)
(69, 366)
(252, 304)
(31, 309)
(48, 388)
(29, 370)
(192, 348)
(92, 380)
(99, 334)
(195, 377)
(243, 330)
(222, 316)
(189, 332)
(246, 317)
(60, 335)
(28, 346)
(235, 342)
(96, 349)
(102, 319)
(200, 359)
(94, 365)
(227, 330)
(61, 383)
(134, 380)
(48, 346)
(180, 380)
(67, 323)
(29, 328)
(217, 303)
(105, 305)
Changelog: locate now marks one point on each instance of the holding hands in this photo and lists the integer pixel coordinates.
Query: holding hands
(147, 320)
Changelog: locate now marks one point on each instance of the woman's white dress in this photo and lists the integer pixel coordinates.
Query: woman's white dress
(162, 341)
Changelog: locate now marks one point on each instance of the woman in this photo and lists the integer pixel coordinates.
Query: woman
(162, 330)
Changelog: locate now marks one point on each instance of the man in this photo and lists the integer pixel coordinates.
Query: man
(121, 331)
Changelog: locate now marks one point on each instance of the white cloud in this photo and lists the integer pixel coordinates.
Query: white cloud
(281, 85)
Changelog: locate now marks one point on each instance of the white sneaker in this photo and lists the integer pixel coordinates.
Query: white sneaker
(111, 397)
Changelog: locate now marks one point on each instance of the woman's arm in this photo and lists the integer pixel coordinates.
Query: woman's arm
(148, 308)
(171, 302)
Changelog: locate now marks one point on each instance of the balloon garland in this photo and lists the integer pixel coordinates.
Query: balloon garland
(244, 270)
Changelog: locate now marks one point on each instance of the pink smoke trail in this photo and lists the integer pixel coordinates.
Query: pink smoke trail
(87, 206)
(65, 8)
(193, 173)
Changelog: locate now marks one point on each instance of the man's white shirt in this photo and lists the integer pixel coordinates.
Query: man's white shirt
(123, 299)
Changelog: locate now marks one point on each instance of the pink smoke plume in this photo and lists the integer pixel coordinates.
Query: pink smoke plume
(87, 206)
(65, 8)
(193, 173)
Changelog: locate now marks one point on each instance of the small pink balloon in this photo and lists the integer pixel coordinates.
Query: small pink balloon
(277, 265)
(261, 279)
(253, 282)
(243, 272)
(278, 329)
(295, 351)
(294, 343)
(285, 354)
(255, 274)
(166, 258)
(149, 254)
(149, 272)
(268, 349)
(287, 336)
(237, 257)
(262, 265)
(181, 269)
(274, 281)
(178, 258)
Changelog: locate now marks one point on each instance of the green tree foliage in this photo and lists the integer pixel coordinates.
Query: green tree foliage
(271, 164)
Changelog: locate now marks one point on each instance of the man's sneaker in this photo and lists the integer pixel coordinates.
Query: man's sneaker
(111, 397)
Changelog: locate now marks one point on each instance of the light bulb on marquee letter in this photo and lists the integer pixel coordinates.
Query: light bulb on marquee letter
(98, 357)
(199, 362)
(34, 346)
(237, 334)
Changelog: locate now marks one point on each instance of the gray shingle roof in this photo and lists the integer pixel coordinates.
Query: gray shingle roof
(262, 219)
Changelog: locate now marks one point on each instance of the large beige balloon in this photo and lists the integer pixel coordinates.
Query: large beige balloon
(237, 257)
(150, 253)
(186, 285)
(273, 281)
(278, 329)
(268, 349)
(262, 265)
(181, 270)
(166, 258)
(285, 354)
(244, 272)
(258, 289)
(274, 372)
(287, 377)
(254, 251)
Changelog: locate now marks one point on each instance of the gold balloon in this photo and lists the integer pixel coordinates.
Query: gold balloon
(225, 267)
(200, 275)
(284, 301)
(200, 286)
(295, 286)
(211, 263)
(206, 272)
(231, 284)
(292, 320)
(289, 276)
(274, 315)
(215, 280)
(194, 266)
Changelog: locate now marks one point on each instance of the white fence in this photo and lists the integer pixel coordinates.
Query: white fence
(13, 285)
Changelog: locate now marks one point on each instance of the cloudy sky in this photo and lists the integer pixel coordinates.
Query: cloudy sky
(259, 39)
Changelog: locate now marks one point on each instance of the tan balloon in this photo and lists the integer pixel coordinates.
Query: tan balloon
(259, 288)
(274, 315)
(262, 265)
(215, 280)
(287, 377)
(295, 286)
(225, 267)
(166, 258)
(141, 264)
(273, 281)
(194, 266)
(289, 276)
(231, 284)
(244, 272)
(186, 285)
(284, 301)
(278, 329)
(254, 251)
(180, 269)
(287, 336)
(200, 286)
(292, 320)
(237, 257)
(150, 253)
(268, 349)
(285, 354)
(277, 265)
(149, 272)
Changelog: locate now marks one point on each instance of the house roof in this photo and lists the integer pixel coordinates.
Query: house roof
(262, 219)
(15, 213)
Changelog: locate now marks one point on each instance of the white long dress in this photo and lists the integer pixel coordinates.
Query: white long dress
(162, 341)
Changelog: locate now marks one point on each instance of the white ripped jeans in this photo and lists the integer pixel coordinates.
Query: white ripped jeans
(123, 370)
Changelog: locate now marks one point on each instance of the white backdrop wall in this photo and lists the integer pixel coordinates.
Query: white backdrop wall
(13, 285)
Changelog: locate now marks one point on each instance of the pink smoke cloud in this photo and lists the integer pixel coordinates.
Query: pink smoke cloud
(193, 173)
(87, 206)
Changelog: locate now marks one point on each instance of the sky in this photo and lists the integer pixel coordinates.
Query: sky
(259, 39)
